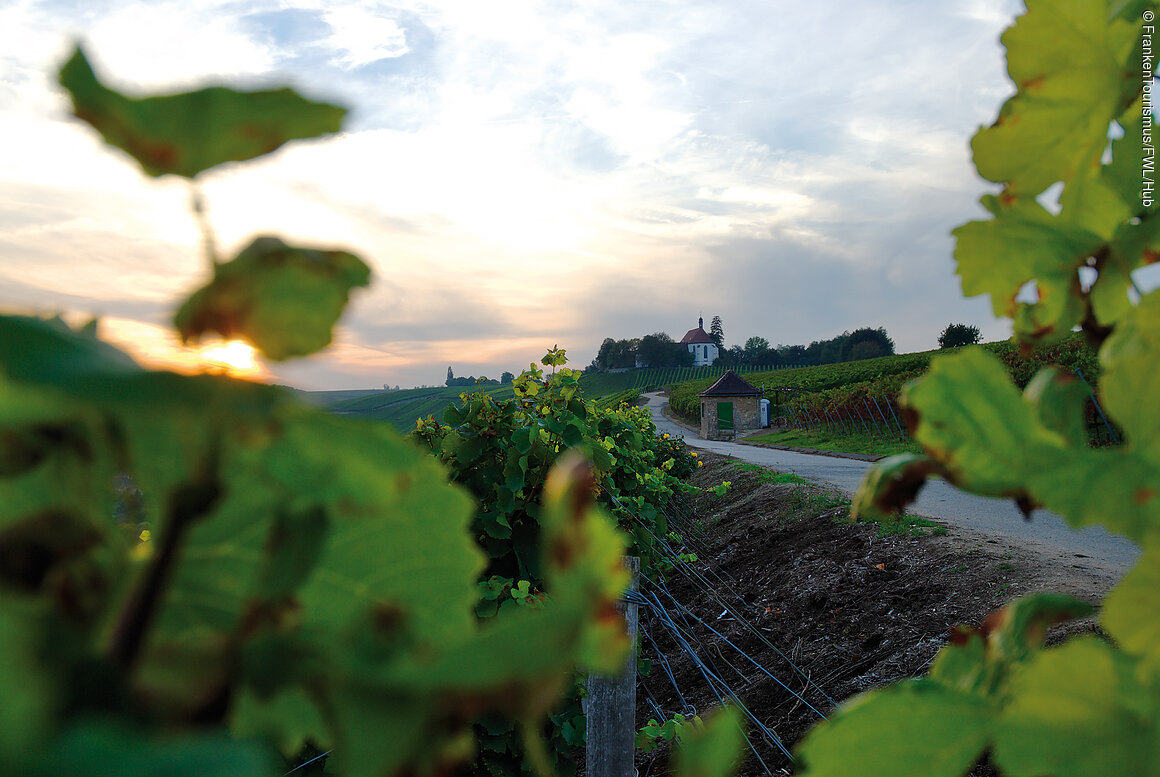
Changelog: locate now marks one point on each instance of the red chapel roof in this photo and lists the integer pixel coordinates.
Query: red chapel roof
(696, 336)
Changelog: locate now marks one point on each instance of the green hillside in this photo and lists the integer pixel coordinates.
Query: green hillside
(600, 384)
(833, 385)
(401, 408)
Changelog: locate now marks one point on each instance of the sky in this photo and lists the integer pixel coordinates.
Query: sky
(522, 174)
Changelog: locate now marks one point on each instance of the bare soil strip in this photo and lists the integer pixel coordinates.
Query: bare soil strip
(852, 608)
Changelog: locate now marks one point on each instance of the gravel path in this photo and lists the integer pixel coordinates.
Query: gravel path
(996, 521)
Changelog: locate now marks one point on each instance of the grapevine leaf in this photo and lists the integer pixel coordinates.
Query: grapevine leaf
(1128, 359)
(991, 441)
(918, 728)
(1137, 594)
(890, 485)
(399, 531)
(54, 457)
(1091, 201)
(46, 351)
(283, 298)
(1133, 243)
(111, 750)
(30, 693)
(1077, 711)
(585, 577)
(1122, 174)
(973, 421)
(1024, 243)
(289, 719)
(583, 561)
(188, 133)
(962, 665)
(396, 531)
(1071, 67)
(381, 733)
(1058, 401)
(710, 749)
(1022, 624)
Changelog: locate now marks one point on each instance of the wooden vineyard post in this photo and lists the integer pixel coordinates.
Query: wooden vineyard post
(611, 704)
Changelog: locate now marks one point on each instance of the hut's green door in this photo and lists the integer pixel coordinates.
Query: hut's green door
(725, 415)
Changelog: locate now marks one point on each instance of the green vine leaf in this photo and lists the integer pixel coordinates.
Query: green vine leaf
(1138, 592)
(48, 352)
(1025, 243)
(973, 421)
(890, 485)
(1072, 69)
(1078, 711)
(913, 729)
(713, 748)
(113, 750)
(989, 440)
(1022, 625)
(1129, 359)
(188, 133)
(284, 299)
(31, 694)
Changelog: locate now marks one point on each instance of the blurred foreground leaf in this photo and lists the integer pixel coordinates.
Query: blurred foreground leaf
(283, 299)
(190, 132)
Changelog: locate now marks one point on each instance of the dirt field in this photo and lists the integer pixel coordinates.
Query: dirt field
(852, 609)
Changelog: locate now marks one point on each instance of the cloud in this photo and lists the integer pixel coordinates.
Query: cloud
(545, 173)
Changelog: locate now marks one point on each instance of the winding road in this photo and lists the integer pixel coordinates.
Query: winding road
(938, 500)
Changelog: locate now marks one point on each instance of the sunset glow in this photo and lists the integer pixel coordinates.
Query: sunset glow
(235, 358)
(549, 174)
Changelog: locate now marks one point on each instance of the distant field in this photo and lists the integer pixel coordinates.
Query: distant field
(327, 398)
(401, 408)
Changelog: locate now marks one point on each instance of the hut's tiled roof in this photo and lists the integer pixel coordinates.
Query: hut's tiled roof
(730, 385)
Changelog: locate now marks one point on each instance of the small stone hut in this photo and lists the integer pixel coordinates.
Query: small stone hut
(729, 406)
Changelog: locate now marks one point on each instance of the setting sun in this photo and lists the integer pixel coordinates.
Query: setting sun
(235, 358)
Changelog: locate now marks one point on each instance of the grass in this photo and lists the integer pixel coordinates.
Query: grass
(909, 526)
(819, 500)
(851, 443)
(768, 475)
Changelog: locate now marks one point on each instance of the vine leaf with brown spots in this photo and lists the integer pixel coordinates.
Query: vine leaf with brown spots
(190, 132)
(284, 299)
(1077, 73)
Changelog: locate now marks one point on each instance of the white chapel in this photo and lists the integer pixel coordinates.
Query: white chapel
(699, 343)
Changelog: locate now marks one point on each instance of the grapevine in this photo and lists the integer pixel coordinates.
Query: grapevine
(202, 576)
(1090, 706)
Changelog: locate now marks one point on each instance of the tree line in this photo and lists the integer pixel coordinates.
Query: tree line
(471, 380)
(660, 350)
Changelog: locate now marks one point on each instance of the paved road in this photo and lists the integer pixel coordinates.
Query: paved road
(937, 500)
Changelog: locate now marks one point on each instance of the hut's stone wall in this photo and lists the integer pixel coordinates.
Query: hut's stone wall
(746, 416)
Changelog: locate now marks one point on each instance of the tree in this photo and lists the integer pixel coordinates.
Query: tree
(826, 351)
(604, 356)
(450, 376)
(792, 354)
(717, 333)
(659, 350)
(730, 357)
(506, 377)
(956, 335)
(867, 343)
(757, 351)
